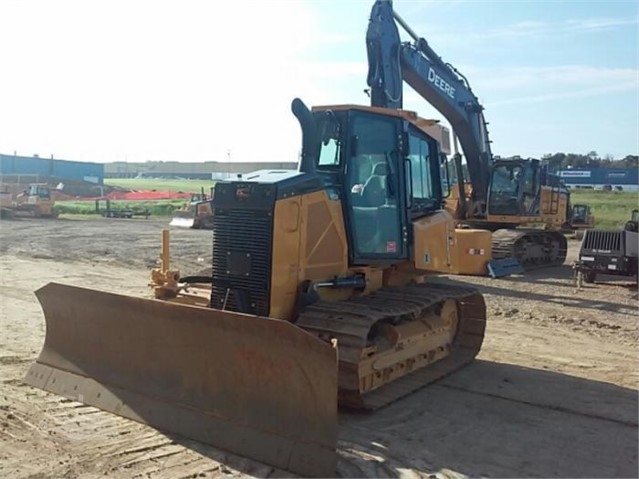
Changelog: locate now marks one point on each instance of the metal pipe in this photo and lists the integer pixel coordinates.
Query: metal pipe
(165, 250)
(405, 26)
(310, 146)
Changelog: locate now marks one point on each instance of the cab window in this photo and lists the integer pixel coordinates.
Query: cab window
(420, 167)
(372, 187)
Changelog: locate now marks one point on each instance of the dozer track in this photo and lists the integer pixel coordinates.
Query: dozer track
(533, 248)
(398, 339)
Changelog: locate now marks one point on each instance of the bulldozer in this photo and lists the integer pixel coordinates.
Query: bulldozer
(196, 214)
(318, 297)
(34, 201)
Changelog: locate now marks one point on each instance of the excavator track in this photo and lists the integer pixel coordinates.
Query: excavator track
(533, 248)
(398, 339)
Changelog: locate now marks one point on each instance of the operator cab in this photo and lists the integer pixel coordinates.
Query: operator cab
(514, 188)
(580, 213)
(41, 191)
(385, 168)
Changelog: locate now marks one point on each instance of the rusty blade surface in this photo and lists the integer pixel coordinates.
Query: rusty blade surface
(257, 387)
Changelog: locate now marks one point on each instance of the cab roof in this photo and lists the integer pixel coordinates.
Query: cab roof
(431, 127)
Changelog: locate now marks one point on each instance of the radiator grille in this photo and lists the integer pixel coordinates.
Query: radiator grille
(603, 242)
(242, 245)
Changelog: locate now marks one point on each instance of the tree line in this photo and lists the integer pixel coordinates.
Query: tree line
(560, 161)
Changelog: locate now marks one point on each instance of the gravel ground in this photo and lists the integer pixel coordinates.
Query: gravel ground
(552, 394)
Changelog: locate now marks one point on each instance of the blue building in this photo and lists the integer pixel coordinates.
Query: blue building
(626, 179)
(43, 169)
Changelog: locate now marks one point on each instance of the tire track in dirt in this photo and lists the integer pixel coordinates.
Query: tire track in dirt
(550, 407)
(96, 442)
(12, 361)
(452, 431)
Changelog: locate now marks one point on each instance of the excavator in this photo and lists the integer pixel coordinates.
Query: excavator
(518, 200)
(320, 296)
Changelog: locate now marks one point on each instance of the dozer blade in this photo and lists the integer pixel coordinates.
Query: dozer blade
(182, 221)
(258, 387)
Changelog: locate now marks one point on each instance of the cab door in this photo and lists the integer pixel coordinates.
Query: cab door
(375, 201)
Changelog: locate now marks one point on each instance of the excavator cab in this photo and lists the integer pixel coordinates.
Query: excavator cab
(514, 188)
(522, 188)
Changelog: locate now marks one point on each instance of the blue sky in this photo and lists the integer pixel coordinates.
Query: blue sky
(201, 80)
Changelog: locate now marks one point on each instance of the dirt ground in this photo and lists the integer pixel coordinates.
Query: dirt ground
(553, 393)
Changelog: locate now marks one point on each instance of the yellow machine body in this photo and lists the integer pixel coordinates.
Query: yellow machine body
(534, 239)
(465, 251)
(256, 358)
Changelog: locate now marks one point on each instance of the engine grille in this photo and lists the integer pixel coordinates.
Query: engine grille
(606, 242)
(242, 245)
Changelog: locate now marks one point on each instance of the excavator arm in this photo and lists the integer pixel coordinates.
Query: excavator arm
(499, 199)
(391, 62)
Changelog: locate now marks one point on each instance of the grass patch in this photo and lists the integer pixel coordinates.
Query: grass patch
(161, 184)
(156, 208)
(611, 208)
